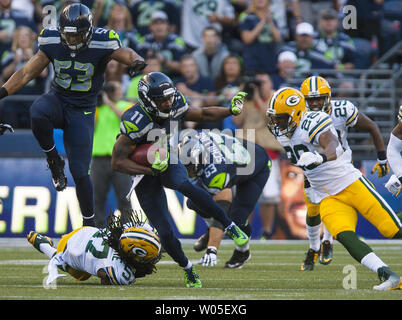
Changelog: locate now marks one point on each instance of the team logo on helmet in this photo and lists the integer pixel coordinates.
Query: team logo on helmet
(140, 243)
(292, 100)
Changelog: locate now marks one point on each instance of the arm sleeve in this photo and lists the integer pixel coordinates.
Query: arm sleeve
(394, 155)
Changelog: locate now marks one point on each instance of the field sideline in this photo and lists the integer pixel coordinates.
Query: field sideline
(271, 274)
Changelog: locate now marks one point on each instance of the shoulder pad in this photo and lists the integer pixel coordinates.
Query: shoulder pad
(136, 123)
(105, 39)
(49, 36)
(346, 110)
(318, 122)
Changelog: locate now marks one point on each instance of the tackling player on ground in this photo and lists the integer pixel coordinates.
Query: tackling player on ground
(344, 115)
(118, 255)
(311, 142)
(394, 153)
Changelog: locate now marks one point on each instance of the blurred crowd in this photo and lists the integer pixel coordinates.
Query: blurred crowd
(211, 48)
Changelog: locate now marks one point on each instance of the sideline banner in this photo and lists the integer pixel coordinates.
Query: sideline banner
(29, 202)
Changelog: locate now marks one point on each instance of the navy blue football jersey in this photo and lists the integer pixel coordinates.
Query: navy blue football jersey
(79, 77)
(137, 124)
(226, 156)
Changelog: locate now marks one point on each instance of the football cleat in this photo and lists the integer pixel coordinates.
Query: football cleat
(191, 278)
(56, 166)
(326, 252)
(202, 242)
(311, 258)
(389, 280)
(36, 239)
(238, 259)
(237, 235)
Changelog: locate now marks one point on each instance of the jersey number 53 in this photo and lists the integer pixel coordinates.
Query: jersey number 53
(82, 81)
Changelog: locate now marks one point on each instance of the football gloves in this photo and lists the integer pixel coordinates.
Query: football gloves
(237, 102)
(310, 160)
(136, 68)
(159, 165)
(394, 185)
(4, 127)
(381, 167)
(210, 257)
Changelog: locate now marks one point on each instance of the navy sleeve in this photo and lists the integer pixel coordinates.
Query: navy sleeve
(48, 38)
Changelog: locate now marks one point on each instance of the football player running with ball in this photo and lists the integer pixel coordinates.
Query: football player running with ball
(118, 254)
(79, 53)
(394, 152)
(155, 118)
(311, 142)
(344, 115)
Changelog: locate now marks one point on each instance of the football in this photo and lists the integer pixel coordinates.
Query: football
(145, 154)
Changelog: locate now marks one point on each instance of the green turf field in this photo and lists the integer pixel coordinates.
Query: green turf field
(271, 274)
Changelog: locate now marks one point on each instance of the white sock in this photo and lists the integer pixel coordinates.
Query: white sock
(314, 236)
(189, 265)
(243, 248)
(47, 249)
(327, 236)
(372, 262)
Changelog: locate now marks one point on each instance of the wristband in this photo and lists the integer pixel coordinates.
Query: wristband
(324, 157)
(3, 93)
(382, 155)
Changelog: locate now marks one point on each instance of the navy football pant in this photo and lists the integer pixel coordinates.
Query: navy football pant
(152, 198)
(248, 190)
(49, 112)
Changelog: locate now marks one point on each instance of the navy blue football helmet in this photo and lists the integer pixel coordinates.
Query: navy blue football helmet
(75, 27)
(154, 88)
(192, 153)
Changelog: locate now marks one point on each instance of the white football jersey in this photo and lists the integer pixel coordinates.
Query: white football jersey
(344, 114)
(330, 177)
(87, 251)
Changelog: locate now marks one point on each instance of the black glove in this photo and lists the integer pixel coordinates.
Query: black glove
(4, 127)
(136, 68)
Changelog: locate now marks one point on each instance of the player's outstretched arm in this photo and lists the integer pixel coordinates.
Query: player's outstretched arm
(31, 70)
(365, 124)
(120, 158)
(212, 114)
(207, 114)
(130, 58)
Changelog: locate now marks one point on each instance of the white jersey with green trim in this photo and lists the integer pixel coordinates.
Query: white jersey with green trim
(330, 177)
(87, 251)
